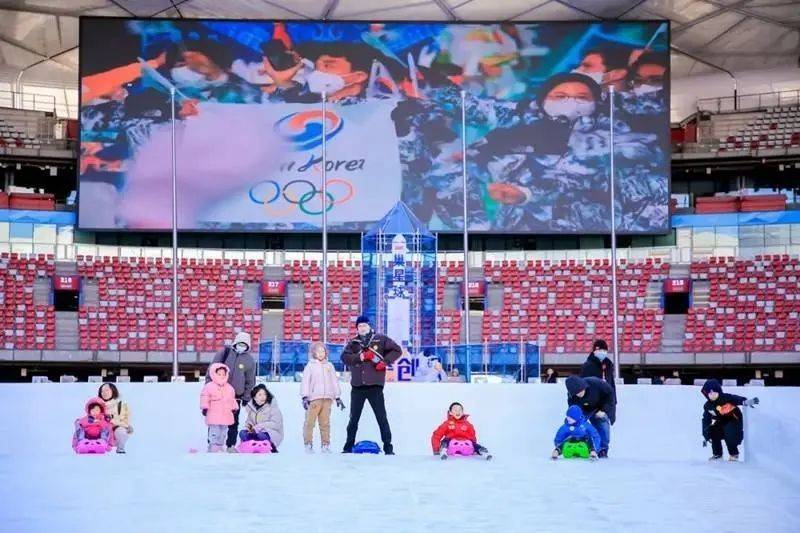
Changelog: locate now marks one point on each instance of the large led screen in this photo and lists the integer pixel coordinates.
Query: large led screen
(249, 123)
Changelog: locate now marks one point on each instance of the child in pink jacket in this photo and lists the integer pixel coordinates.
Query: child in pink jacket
(218, 403)
(319, 389)
(95, 425)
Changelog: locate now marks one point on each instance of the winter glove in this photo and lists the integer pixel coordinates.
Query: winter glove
(381, 366)
(752, 402)
(368, 355)
(306, 403)
(340, 404)
(205, 412)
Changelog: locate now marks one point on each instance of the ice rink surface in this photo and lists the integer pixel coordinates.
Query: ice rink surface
(657, 479)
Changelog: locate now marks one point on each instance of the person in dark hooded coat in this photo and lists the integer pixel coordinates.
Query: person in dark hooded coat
(722, 419)
(597, 400)
(598, 364)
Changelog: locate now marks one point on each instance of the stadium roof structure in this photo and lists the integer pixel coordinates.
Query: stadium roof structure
(39, 38)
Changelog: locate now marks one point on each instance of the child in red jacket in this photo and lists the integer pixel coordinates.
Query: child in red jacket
(456, 427)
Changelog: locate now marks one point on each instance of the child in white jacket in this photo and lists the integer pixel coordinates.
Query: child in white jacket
(319, 389)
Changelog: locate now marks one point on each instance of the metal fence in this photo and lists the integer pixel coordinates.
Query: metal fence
(745, 102)
(485, 362)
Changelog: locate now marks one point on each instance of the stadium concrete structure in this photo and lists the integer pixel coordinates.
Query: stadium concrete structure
(719, 292)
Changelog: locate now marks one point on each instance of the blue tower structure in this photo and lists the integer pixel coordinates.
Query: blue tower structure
(398, 278)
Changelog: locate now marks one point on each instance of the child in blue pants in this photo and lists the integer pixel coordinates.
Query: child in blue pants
(576, 428)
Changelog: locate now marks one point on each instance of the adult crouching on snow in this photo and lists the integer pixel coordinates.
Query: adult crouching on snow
(242, 377)
(598, 365)
(118, 413)
(367, 356)
(264, 418)
(596, 399)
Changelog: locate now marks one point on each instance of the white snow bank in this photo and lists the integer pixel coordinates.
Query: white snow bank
(653, 422)
(657, 478)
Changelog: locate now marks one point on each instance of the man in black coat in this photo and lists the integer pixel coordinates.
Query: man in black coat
(366, 356)
(597, 400)
(722, 419)
(598, 364)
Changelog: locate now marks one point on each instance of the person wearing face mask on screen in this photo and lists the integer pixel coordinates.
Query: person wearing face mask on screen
(242, 377)
(599, 365)
(566, 102)
(607, 65)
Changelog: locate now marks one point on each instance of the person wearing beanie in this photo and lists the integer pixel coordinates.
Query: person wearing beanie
(242, 377)
(597, 400)
(722, 419)
(367, 355)
(576, 428)
(598, 364)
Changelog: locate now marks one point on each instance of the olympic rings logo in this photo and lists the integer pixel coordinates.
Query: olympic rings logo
(298, 193)
(304, 129)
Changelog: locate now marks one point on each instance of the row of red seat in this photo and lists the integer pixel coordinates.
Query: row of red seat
(134, 310)
(753, 305)
(25, 325)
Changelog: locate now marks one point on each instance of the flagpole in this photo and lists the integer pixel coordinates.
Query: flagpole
(174, 244)
(324, 218)
(615, 313)
(466, 228)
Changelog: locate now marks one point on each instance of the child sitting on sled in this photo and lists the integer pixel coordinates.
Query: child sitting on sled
(577, 437)
(95, 425)
(456, 427)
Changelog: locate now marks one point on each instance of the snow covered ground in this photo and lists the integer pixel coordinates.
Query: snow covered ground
(658, 476)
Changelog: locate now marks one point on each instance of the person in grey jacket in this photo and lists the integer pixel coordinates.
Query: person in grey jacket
(242, 377)
(264, 418)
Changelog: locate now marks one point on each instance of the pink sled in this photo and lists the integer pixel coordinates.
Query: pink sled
(255, 446)
(460, 447)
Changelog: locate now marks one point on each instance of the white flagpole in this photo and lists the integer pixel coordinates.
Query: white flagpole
(174, 245)
(466, 226)
(613, 237)
(324, 218)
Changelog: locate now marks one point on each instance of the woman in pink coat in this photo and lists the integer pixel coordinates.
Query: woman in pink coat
(319, 389)
(218, 402)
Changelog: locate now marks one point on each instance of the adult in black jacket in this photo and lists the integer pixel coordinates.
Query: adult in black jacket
(598, 364)
(722, 419)
(596, 399)
(366, 356)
